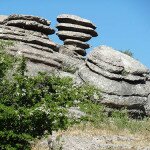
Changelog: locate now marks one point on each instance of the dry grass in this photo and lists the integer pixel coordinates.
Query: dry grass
(140, 138)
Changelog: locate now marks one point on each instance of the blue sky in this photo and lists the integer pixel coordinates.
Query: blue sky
(121, 24)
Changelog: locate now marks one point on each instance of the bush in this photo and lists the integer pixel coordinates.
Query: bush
(31, 107)
(127, 52)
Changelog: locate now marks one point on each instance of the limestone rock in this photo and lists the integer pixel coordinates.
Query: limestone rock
(66, 18)
(31, 25)
(28, 17)
(2, 18)
(115, 58)
(72, 51)
(28, 29)
(17, 34)
(77, 43)
(122, 79)
(63, 35)
(76, 28)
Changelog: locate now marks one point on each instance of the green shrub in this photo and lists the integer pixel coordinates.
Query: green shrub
(127, 52)
(6, 61)
(31, 107)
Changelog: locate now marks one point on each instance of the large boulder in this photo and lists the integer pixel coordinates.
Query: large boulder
(122, 79)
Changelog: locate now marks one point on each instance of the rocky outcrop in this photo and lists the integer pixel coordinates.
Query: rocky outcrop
(27, 29)
(30, 36)
(122, 79)
(75, 31)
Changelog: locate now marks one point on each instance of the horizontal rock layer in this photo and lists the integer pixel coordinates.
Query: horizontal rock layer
(33, 37)
(46, 57)
(75, 31)
(31, 25)
(66, 18)
(77, 43)
(124, 82)
(27, 17)
(122, 79)
(63, 35)
(117, 60)
(76, 28)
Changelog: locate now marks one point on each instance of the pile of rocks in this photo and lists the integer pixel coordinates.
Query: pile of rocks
(75, 31)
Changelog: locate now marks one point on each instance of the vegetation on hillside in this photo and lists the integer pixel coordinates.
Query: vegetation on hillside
(31, 107)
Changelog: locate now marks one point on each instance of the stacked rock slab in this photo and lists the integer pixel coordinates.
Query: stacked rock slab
(30, 36)
(122, 79)
(27, 29)
(75, 32)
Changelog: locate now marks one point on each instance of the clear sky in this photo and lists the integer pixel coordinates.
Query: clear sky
(121, 24)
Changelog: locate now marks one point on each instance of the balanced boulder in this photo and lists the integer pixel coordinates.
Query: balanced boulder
(75, 31)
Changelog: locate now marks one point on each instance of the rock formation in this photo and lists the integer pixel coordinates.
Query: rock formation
(75, 31)
(30, 36)
(124, 81)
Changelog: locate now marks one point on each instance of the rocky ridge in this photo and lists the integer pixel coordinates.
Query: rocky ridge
(123, 80)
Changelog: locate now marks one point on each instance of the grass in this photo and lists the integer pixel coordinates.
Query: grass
(88, 130)
(118, 121)
(97, 124)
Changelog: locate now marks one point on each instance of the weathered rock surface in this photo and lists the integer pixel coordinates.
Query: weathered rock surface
(124, 81)
(75, 31)
(45, 60)
(2, 18)
(76, 28)
(121, 78)
(28, 17)
(27, 29)
(63, 35)
(30, 36)
(71, 51)
(27, 36)
(77, 43)
(66, 18)
(31, 25)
